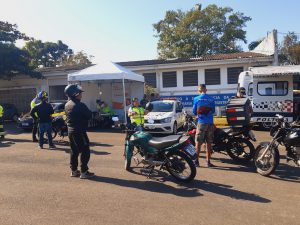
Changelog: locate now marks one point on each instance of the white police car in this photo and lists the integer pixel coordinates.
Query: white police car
(166, 117)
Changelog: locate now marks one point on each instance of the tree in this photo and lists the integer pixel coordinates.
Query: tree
(49, 54)
(197, 32)
(13, 61)
(80, 58)
(254, 44)
(290, 49)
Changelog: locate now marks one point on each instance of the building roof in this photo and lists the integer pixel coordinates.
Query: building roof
(240, 55)
(62, 68)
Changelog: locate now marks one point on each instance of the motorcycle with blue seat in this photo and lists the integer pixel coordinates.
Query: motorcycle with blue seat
(167, 153)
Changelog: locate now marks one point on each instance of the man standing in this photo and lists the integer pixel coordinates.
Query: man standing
(144, 101)
(33, 104)
(43, 112)
(2, 133)
(78, 116)
(136, 114)
(204, 108)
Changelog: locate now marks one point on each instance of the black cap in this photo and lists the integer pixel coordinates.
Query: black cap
(242, 90)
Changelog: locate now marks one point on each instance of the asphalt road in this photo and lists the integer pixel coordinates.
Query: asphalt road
(35, 188)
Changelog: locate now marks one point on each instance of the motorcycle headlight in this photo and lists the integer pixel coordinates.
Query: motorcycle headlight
(167, 120)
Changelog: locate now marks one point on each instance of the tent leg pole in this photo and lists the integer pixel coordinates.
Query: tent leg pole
(124, 101)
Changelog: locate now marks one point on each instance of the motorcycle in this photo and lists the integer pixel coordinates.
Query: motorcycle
(234, 141)
(164, 152)
(267, 154)
(59, 127)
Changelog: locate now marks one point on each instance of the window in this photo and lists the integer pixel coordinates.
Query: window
(233, 74)
(57, 93)
(169, 79)
(250, 89)
(190, 78)
(212, 77)
(279, 88)
(150, 79)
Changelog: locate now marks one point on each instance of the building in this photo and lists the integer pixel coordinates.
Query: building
(22, 89)
(173, 77)
(180, 77)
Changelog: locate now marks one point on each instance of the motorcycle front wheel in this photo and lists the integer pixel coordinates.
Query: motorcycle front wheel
(180, 166)
(268, 164)
(241, 150)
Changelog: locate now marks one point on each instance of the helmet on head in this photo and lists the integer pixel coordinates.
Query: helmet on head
(43, 95)
(72, 90)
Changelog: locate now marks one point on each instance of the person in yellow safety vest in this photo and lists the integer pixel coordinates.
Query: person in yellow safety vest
(104, 108)
(136, 114)
(33, 104)
(2, 133)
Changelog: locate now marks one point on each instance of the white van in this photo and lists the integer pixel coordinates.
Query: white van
(265, 87)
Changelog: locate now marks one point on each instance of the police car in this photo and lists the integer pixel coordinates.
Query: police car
(166, 117)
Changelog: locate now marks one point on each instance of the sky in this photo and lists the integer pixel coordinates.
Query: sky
(122, 30)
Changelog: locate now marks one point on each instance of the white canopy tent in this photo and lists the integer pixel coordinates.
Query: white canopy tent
(109, 72)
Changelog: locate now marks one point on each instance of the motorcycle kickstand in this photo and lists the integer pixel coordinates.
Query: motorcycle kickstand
(151, 170)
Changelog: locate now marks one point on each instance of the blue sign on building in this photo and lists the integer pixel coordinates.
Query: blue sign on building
(187, 100)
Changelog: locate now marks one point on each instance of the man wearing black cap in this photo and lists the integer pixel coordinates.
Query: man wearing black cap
(78, 116)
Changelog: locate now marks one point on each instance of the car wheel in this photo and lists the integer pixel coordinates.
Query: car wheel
(175, 128)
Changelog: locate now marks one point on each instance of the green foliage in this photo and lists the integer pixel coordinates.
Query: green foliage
(13, 61)
(80, 58)
(197, 32)
(290, 49)
(254, 44)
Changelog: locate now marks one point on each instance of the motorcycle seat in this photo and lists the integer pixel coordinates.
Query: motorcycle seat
(163, 142)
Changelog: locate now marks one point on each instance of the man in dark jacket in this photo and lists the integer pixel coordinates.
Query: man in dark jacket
(78, 115)
(42, 113)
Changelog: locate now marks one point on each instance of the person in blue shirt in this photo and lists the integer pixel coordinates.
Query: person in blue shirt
(204, 108)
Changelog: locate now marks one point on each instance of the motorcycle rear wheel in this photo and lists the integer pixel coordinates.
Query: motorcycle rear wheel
(267, 165)
(179, 162)
(241, 150)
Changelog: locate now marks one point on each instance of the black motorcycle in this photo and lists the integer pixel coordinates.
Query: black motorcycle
(234, 141)
(267, 154)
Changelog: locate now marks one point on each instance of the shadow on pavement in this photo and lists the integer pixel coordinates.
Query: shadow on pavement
(183, 190)
(151, 186)
(287, 173)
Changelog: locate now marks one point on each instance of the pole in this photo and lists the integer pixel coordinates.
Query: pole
(275, 63)
(124, 100)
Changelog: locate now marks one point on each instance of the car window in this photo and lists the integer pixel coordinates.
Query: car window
(161, 106)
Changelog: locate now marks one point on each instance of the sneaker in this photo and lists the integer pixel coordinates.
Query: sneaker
(40, 147)
(209, 164)
(75, 173)
(86, 175)
(52, 146)
(196, 162)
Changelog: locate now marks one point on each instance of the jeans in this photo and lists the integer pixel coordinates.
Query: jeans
(34, 130)
(80, 144)
(45, 128)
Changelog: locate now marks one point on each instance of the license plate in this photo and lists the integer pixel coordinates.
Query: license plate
(190, 149)
(25, 124)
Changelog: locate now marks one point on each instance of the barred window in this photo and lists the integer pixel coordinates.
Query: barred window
(212, 76)
(169, 79)
(150, 79)
(190, 78)
(233, 74)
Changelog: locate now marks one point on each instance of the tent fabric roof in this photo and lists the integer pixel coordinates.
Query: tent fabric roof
(105, 71)
(276, 70)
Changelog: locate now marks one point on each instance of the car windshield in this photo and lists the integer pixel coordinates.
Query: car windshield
(161, 106)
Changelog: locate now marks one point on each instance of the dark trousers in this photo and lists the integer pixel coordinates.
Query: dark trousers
(1, 127)
(45, 128)
(80, 144)
(34, 130)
